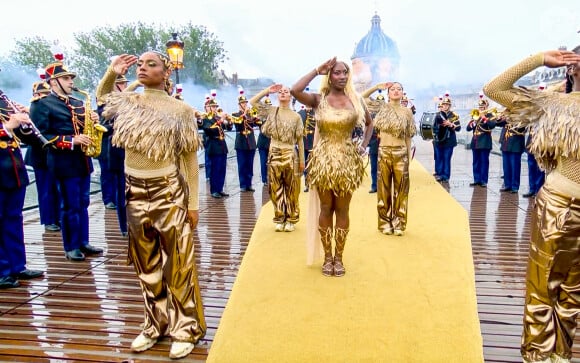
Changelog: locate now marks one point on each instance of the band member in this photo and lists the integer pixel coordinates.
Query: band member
(263, 143)
(200, 117)
(536, 176)
(46, 189)
(405, 103)
(374, 106)
(244, 121)
(481, 124)
(396, 127)
(285, 129)
(445, 127)
(214, 127)
(512, 144)
(309, 124)
(115, 159)
(12, 192)
(60, 117)
(162, 199)
(552, 278)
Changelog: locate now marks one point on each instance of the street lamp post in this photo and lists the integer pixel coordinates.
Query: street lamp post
(175, 52)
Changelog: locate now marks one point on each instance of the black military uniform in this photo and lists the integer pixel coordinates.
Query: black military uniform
(47, 191)
(12, 193)
(216, 148)
(445, 140)
(263, 146)
(513, 144)
(307, 115)
(245, 143)
(60, 118)
(481, 143)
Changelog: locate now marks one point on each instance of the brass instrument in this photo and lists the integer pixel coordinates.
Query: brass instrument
(474, 114)
(27, 129)
(93, 130)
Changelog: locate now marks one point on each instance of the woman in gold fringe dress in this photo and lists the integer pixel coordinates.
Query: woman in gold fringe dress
(552, 300)
(335, 166)
(396, 127)
(284, 128)
(159, 135)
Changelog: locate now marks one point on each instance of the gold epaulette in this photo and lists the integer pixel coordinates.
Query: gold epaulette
(36, 98)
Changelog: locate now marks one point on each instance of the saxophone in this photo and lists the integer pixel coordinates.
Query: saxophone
(93, 130)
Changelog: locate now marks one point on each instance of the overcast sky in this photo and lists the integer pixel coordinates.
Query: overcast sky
(439, 41)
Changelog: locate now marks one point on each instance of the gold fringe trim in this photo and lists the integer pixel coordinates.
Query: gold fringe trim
(552, 119)
(395, 120)
(152, 123)
(286, 127)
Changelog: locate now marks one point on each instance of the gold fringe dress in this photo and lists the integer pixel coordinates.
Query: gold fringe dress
(552, 300)
(334, 163)
(160, 138)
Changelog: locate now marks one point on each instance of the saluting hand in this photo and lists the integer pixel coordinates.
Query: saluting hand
(325, 67)
(560, 58)
(275, 88)
(121, 63)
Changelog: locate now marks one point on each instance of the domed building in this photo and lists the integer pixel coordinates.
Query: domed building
(375, 58)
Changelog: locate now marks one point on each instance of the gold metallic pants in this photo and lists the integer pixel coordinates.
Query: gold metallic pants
(284, 184)
(393, 187)
(162, 251)
(553, 276)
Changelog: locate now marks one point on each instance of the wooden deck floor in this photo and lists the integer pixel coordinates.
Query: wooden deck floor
(90, 311)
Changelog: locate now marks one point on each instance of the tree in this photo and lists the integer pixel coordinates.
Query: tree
(90, 56)
(202, 51)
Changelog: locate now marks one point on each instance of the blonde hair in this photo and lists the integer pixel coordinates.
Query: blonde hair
(349, 90)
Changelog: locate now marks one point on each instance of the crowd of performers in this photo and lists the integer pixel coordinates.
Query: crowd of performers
(154, 184)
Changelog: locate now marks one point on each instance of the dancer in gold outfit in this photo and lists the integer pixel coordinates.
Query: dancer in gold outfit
(396, 126)
(284, 128)
(335, 166)
(159, 135)
(552, 300)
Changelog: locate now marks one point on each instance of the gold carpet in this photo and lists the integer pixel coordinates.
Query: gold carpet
(403, 299)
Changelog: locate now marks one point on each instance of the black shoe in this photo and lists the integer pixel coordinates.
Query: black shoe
(438, 178)
(474, 184)
(514, 191)
(216, 195)
(29, 274)
(110, 205)
(52, 227)
(74, 255)
(373, 190)
(483, 185)
(249, 189)
(505, 190)
(8, 282)
(91, 250)
(529, 195)
(125, 234)
(224, 194)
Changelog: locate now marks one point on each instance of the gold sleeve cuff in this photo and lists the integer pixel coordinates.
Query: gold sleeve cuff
(500, 89)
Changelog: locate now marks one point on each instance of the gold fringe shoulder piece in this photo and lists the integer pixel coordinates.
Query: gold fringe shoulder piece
(553, 120)
(262, 109)
(152, 123)
(373, 105)
(396, 121)
(285, 125)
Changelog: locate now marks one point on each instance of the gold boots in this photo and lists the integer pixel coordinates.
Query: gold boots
(340, 240)
(326, 239)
